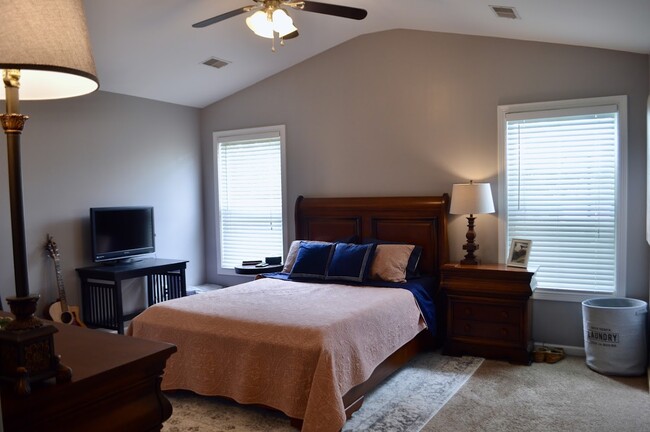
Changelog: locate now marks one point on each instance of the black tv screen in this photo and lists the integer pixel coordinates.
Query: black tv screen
(119, 233)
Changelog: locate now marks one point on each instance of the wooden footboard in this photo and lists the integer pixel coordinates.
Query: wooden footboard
(353, 399)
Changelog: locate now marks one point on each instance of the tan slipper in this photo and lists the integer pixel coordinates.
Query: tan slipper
(539, 354)
(554, 355)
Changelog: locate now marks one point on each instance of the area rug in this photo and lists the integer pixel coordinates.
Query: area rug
(403, 403)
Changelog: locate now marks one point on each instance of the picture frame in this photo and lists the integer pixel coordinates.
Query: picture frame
(519, 252)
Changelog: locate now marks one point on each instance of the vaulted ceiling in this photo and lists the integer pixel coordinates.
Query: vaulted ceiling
(149, 49)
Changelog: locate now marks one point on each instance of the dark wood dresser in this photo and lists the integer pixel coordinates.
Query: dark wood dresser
(489, 311)
(115, 387)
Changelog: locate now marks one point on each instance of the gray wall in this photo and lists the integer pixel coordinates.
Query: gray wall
(103, 149)
(410, 113)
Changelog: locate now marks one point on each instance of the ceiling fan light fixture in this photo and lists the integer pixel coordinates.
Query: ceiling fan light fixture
(260, 24)
(282, 23)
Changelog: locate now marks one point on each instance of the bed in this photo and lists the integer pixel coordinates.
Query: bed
(310, 348)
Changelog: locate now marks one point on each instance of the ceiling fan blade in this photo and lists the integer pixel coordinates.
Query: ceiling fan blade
(291, 35)
(221, 17)
(336, 10)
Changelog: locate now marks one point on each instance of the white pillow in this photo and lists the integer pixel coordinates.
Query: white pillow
(390, 261)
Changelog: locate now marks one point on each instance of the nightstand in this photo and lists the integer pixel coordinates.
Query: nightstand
(254, 270)
(489, 311)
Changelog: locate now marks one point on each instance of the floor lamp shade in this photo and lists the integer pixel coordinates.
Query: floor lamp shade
(48, 42)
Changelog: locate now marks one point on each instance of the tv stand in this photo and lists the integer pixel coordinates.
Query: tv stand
(101, 289)
(121, 261)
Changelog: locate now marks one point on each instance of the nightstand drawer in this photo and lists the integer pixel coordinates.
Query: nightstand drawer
(486, 312)
(489, 311)
(484, 330)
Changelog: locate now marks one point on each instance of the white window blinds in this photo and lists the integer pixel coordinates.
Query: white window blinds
(249, 171)
(561, 186)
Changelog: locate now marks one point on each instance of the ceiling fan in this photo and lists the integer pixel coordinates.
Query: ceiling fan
(270, 17)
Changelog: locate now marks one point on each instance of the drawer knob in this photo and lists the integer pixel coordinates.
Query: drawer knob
(468, 311)
(504, 331)
(505, 315)
(467, 327)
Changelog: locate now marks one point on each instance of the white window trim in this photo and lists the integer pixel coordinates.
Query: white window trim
(542, 293)
(242, 134)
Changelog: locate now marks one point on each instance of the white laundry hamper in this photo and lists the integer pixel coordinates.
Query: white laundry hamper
(615, 335)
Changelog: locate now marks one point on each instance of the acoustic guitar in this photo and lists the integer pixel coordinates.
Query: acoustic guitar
(60, 311)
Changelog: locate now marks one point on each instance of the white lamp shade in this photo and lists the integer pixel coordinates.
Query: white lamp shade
(48, 42)
(260, 24)
(471, 198)
(282, 23)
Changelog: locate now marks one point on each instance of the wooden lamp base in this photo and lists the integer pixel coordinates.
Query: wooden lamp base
(27, 348)
(470, 246)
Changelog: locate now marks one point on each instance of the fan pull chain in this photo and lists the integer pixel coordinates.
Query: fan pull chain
(273, 42)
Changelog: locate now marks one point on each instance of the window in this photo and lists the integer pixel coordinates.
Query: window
(251, 194)
(562, 182)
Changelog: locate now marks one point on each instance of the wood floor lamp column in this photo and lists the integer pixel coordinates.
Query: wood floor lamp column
(45, 52)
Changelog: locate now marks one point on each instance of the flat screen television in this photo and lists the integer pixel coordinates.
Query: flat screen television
(121, 233)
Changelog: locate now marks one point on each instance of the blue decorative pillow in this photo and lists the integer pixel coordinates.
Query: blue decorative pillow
(350, 262)
(349, 239)
(412, 266)
(312, 260)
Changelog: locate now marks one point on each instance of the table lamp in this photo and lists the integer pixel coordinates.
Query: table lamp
(45, 53)
(471, 198)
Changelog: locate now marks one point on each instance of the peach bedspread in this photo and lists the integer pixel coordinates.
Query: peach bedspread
(296, 347)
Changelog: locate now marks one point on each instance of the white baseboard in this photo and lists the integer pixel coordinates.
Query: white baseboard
(203, 288)
(568, 349)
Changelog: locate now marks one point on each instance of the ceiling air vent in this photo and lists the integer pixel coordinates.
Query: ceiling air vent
(216, 63)
(505, 12)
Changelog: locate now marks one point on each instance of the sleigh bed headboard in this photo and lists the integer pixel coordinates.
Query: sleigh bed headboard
(420, 221)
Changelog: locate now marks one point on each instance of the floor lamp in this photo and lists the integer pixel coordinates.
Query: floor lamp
(44, 54)
(471, 198)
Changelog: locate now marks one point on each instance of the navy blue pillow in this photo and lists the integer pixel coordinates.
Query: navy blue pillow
(350, 262)
(412, 266)
(312, 260)
(349, 239)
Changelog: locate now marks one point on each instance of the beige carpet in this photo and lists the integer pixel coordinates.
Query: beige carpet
(565, 396)
(499, 397)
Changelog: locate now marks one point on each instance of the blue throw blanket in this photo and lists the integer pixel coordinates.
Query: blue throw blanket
(420, 288)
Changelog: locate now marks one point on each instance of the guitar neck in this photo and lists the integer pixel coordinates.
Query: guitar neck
(59, 283)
